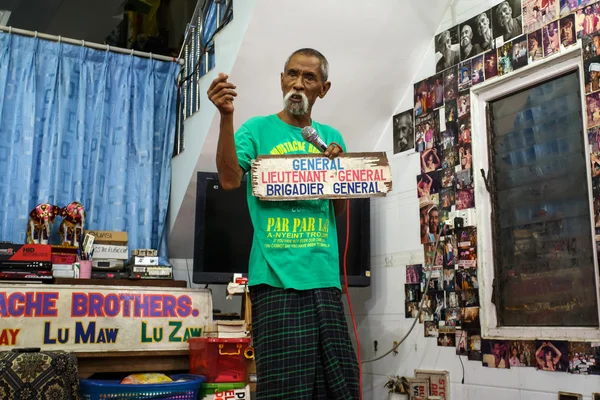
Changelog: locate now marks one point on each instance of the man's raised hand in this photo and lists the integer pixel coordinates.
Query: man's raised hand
(222, 93)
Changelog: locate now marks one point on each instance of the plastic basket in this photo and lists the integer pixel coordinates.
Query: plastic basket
(114, 390)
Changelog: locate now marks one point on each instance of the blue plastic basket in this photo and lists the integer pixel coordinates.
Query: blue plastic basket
(113, 390)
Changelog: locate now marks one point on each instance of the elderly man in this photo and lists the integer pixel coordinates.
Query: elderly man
(403, 132)
(509, 27)
(467, 48)
(450, 57)
(485, 31)
(300, 335)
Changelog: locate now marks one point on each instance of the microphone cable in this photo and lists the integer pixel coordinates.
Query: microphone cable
(349, 301)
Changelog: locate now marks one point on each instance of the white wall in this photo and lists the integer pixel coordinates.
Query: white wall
(227, 45)
(379, 309)
(183, 270)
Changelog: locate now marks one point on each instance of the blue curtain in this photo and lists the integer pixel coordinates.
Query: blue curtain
(78, 124)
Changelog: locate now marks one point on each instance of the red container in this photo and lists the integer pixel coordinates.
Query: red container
(219, 359)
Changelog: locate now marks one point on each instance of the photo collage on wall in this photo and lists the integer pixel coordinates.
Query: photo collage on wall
(496, 42)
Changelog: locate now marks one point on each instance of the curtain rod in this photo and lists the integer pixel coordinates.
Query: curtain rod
(92, 45)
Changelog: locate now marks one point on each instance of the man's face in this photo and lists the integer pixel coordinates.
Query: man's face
(534, 44)
(405, 126)
(302, 83)
(568, 33)
(496, 349)
(447, 43)
(505, 13)
(424, 219)
(596, 41)
(466, 34)
(483, 24)
(433, 221)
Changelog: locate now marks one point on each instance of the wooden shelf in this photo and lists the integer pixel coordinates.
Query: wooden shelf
(90, 363)
(121, 282)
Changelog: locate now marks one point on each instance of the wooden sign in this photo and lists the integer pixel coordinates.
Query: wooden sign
(101, 318)
(313, 176)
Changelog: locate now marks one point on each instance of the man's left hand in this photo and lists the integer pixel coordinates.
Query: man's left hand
(333, 151)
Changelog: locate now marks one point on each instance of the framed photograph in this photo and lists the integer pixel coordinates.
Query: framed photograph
(507, 21)
(495, 353)
(551, 38)
(552, 355)
(491, 64)
(403, 131)
(569, 396)
(534, 44)
(447, 49)
(595, 396)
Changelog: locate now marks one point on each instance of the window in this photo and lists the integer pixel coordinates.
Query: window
(535, 216)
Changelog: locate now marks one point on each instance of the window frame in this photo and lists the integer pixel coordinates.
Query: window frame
(567, 61)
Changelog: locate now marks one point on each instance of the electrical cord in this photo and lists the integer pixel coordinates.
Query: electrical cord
(393, 349)
(463, 369)
(348, 298)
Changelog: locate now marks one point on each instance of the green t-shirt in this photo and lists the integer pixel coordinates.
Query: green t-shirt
(295, 242)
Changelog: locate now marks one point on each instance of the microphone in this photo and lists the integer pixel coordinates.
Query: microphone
(311, 135)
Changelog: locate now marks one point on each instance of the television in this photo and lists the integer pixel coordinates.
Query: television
(223, 235)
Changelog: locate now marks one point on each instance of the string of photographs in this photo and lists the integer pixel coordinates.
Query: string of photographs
(496, 42)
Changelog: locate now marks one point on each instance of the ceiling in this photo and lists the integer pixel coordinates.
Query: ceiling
(87, 20)
(374, 50)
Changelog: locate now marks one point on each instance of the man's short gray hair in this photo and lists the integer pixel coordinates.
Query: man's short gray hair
(314, 53)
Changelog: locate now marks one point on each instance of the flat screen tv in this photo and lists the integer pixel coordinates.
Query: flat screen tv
(223, 235)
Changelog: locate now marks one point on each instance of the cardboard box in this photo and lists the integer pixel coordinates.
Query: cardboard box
(110, 252)
(109, 237)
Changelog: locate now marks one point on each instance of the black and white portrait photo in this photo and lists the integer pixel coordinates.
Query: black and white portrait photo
(507, 20)
(476, 35)
(447, 49)
(404, 138)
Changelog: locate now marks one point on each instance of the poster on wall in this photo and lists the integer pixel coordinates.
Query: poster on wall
(534, 46)
(593, 109)
(519, 52)
(521, 353)
(490, 60)
(551, 38)
(403, 131)
(505, 59)
(537, 13)
(475, 36)
(552, 355)
(568, 36)
(507, 21)
(447, 49)
(101, 318)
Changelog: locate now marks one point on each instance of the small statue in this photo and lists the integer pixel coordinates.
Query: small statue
(71, 228)
(41, 218)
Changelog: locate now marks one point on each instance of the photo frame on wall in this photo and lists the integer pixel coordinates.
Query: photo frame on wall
(507, 21)
(403, 131)
(569, 396)
(447, 49)
(475, 35)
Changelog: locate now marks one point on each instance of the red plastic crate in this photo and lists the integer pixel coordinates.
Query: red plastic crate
(219, 359)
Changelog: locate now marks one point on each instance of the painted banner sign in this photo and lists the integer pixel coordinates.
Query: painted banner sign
(101, 318)
(310, 176)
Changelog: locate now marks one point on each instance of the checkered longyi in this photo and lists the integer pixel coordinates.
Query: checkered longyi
(303, 350)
